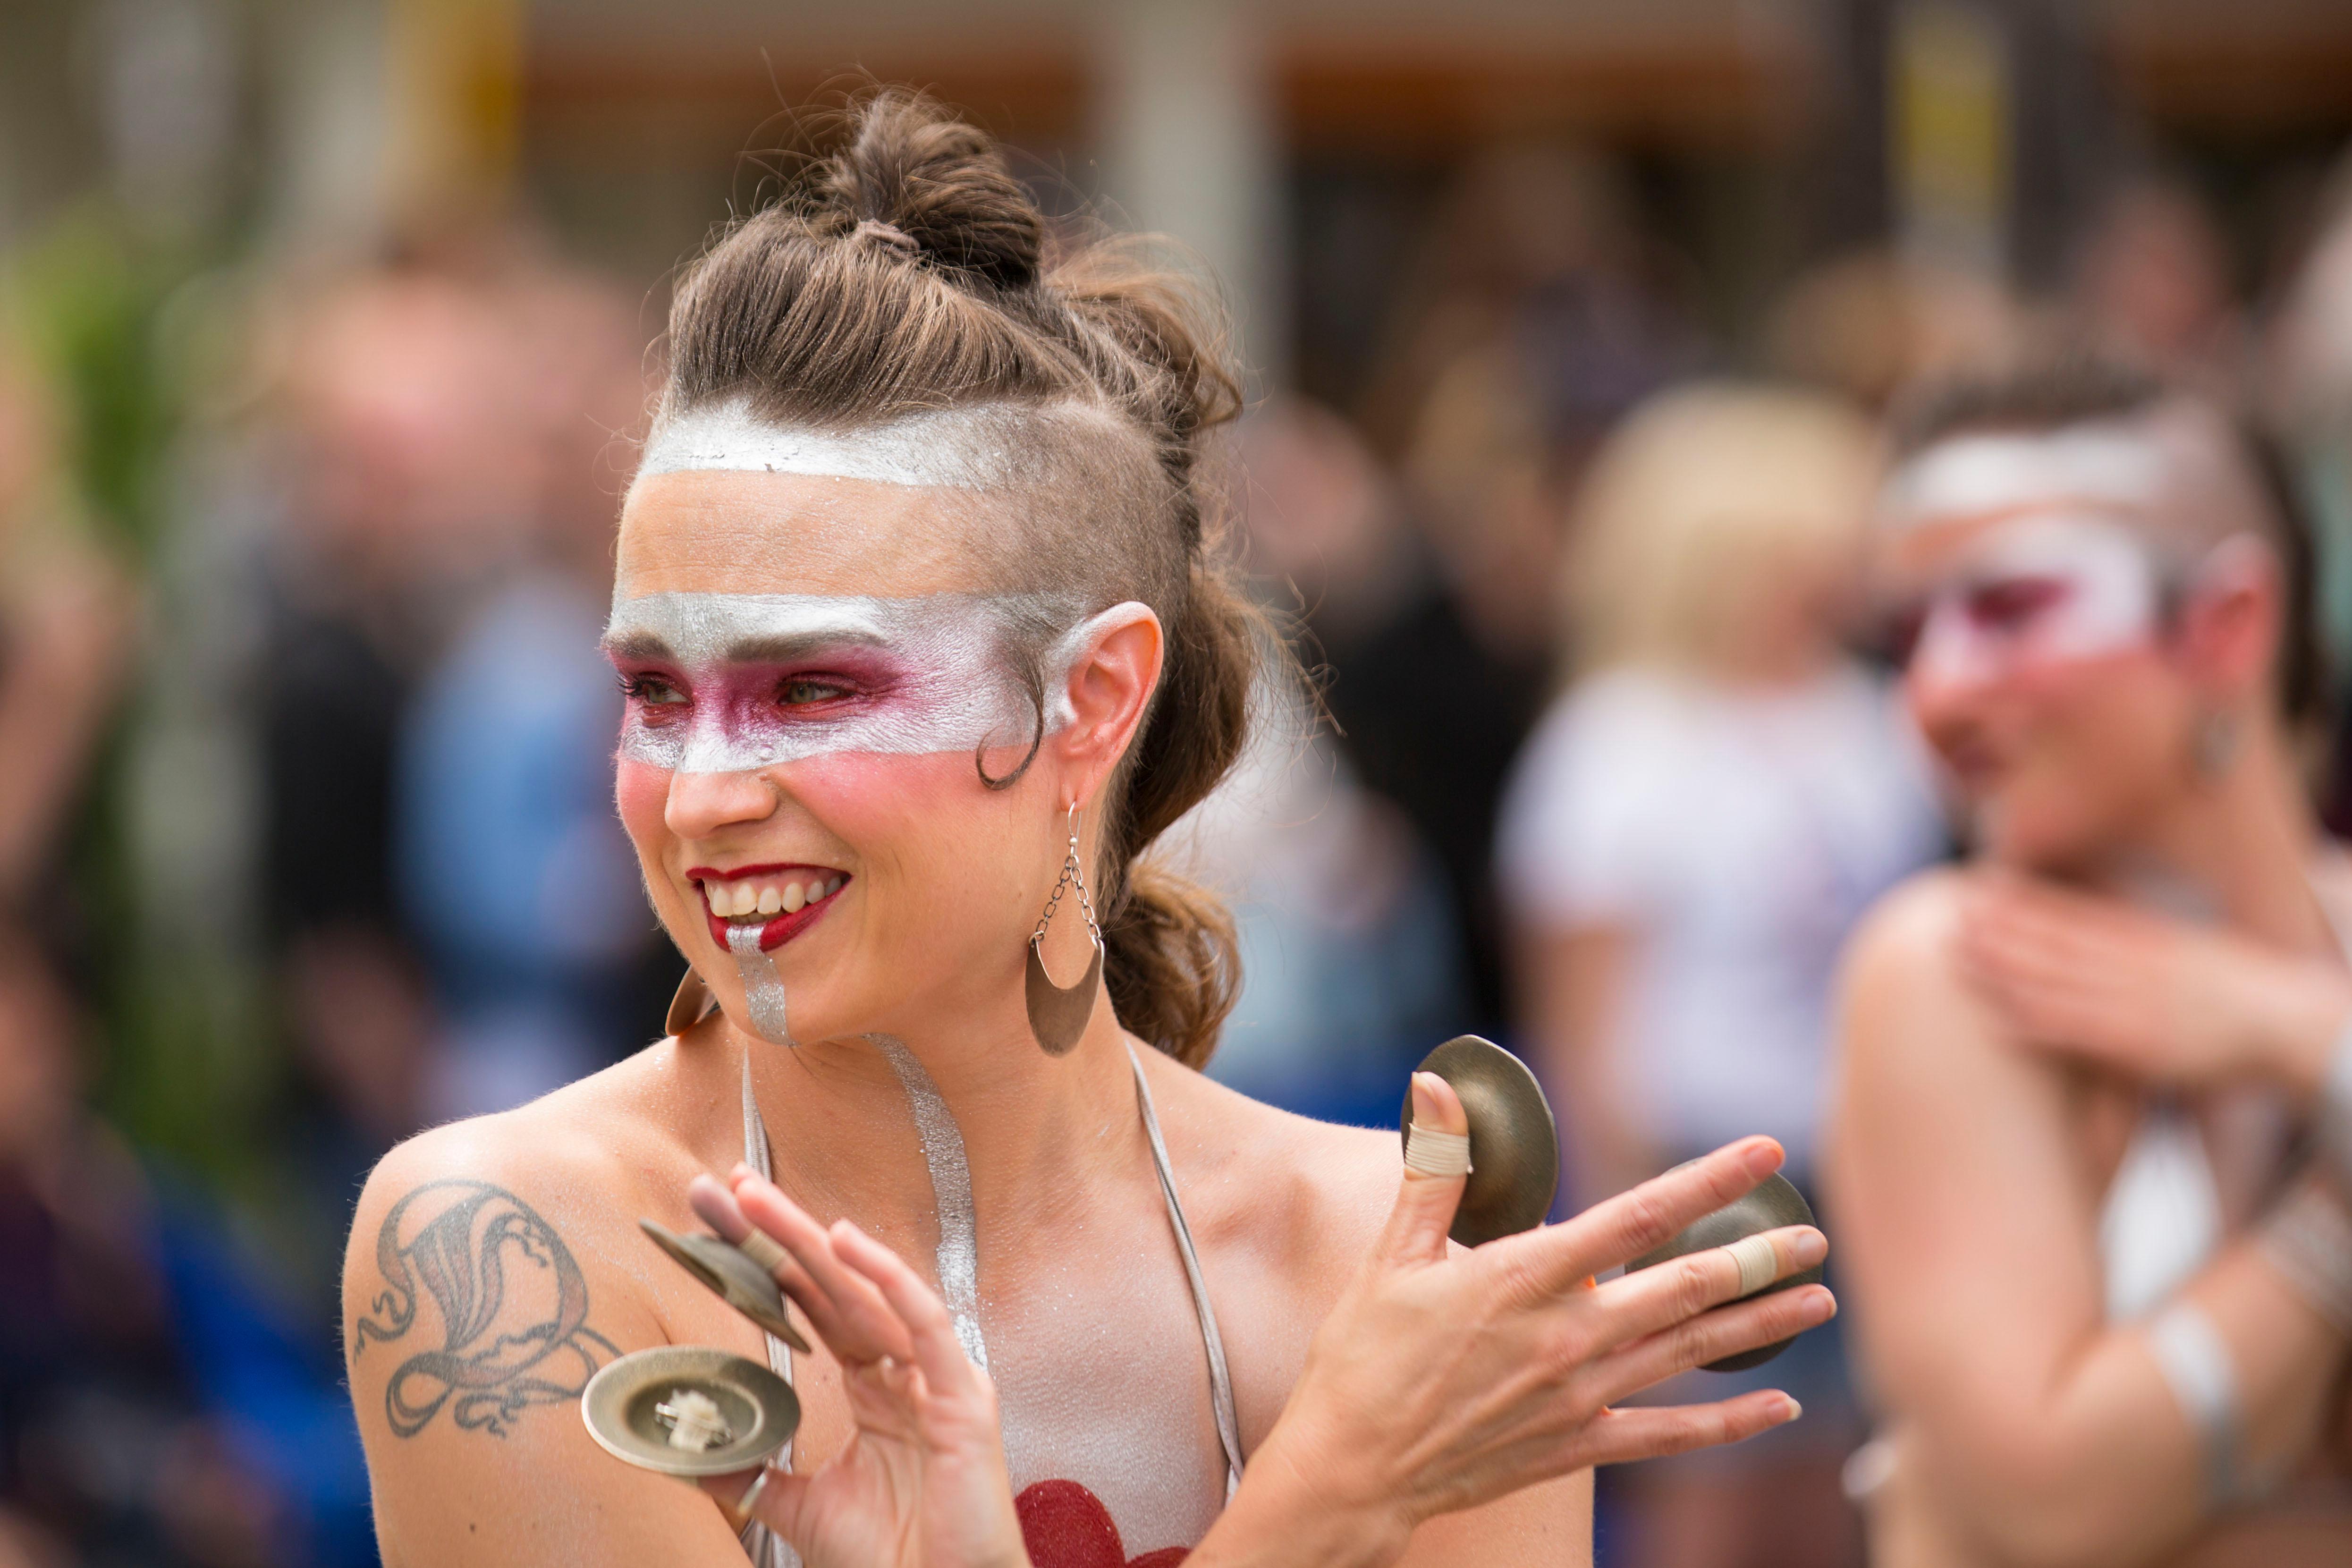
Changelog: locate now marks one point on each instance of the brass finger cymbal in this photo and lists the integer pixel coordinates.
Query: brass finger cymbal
(739, 1281)
(1514, 1141)
(688, 1410)
(1774, 1203)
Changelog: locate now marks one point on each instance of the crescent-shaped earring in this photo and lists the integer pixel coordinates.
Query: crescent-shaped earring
(1058, 1014)
(692, 1004)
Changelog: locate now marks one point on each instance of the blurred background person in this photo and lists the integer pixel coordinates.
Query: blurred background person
(1352, 952)
(1700, 817)
(2152, 284)
(512, 868)
(2102, 1286)
(1538, 313)
(67, 614)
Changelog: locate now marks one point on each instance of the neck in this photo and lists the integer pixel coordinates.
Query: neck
(2246, 840)
(1039, 1133)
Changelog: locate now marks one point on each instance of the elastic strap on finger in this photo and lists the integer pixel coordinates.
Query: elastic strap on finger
(748, 1504)
(1757, 1261)
(762, 1249)
(1435, 1152)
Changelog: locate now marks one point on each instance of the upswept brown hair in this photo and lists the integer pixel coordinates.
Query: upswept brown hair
(908, 270)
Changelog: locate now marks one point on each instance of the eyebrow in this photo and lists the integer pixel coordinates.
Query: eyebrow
(640, 645)
(774, 648)
(783, 647)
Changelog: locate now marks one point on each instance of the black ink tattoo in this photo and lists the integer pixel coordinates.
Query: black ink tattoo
(513, 1305)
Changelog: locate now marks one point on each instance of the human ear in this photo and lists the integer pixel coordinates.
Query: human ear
(1108, 691)
(2231, 618)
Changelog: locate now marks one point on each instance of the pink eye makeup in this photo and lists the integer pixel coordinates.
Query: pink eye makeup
(733, 682)
(2037, 590)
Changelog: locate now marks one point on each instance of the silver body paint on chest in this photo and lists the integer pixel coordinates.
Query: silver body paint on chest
(959, 1253)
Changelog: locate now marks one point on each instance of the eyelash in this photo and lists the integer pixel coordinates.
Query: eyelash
(643, 688)
(657, 690)
(834, 691)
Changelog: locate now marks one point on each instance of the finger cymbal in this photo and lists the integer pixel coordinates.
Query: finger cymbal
(1514, 1141)
(688, 1410)
(1775, 1201)
(739, 1281)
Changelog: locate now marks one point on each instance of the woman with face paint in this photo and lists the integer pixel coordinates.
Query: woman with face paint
(924, 643)
(2093, 1149)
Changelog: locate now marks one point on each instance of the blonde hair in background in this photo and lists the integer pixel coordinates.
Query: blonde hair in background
(1695, 511)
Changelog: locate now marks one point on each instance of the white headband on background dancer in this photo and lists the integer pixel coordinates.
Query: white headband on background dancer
(2091, 528)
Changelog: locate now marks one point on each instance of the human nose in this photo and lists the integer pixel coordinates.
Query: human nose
(699, 805)
(1949, 666)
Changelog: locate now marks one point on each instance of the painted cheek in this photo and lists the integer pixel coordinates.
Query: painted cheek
(641, 790)
(851, 787)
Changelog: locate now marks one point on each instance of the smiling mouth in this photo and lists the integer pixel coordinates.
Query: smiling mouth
(778, 902)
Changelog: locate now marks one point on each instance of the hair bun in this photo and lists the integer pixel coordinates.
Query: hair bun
(942, 183)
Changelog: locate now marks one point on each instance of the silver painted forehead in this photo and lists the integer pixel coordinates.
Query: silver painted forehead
(983, 447)
(700, 628)
(2108, 465)
(2176, 466)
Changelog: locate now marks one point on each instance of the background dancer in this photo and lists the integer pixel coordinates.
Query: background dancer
(2105, 1278)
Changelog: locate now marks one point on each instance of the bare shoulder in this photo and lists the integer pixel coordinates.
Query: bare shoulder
(500, 1244)
(493, 1269)
(1906, 1018)
(1906, 937)
(1303, 1198)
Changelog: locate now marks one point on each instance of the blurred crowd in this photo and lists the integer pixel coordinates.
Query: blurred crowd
(306, 836)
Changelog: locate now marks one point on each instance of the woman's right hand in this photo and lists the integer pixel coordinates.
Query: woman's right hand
(922, 1482)
(1442, 1381)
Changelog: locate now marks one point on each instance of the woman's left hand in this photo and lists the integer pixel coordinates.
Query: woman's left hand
(2159, 999)
(922, 1483)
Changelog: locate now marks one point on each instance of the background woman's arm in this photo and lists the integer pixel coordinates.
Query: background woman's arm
(1967, 1213)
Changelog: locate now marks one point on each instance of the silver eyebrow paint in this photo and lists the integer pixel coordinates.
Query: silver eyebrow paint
(952, 659)
(959, 1253)
(764, 988)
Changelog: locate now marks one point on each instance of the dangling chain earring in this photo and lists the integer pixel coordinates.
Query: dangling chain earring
(1057, 1017)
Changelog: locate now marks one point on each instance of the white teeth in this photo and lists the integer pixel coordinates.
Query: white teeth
(832, 887)
(815, 891)
(746, 900)
(771, 899)
(795, 897)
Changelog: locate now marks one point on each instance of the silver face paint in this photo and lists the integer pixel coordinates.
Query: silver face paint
(2095, 463)
(978, 448)
(922, 675)
(959, 1253)
(764, 988)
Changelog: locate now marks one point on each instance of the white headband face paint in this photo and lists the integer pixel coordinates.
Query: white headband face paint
(961, 449)
(712, 676)
(2036, 591)
(2103, 467)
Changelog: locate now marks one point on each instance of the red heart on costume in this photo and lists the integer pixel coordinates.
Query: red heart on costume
(1066, 1526)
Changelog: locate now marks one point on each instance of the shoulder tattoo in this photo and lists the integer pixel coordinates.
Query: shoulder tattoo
(512, 1302)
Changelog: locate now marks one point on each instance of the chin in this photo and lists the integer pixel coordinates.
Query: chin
(2036, 836)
